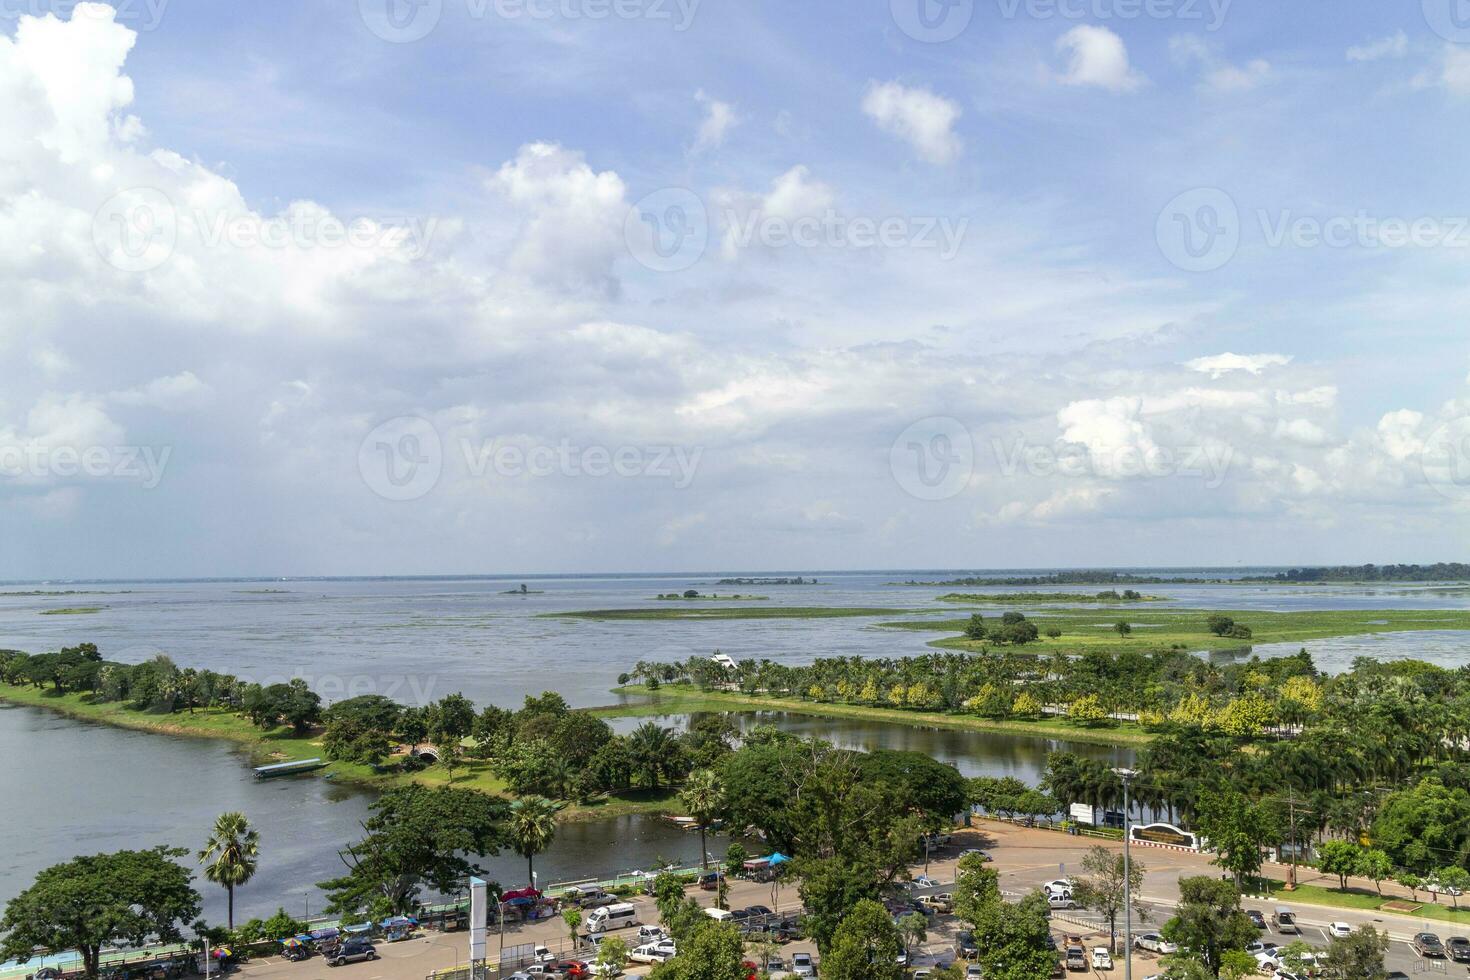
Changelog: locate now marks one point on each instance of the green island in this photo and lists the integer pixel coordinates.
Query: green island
(690, 595)
(73, 611)
(1082, 630)
(1021, 598)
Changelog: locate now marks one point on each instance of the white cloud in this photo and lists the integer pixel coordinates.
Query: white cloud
(1396, 45)
(574, 217)
(1219, 365)
(1097, 57)
(1217, 74)
(174, 393)
(918, 116)
(719, 119)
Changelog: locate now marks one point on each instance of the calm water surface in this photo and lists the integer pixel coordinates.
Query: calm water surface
(77, 788)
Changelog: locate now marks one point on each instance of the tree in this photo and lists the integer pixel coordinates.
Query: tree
(829, 889)
(1375, 865)
(713, 951)
(1209, 920)
(1013, 939)
(1454, 879)
(704, 798)
(864, 947)
(418, 836)
(1415, 826)
(1341, 858)
(231, 856)
(1124, 629)
(127, 898)
(1101, 885)
(532, 829)
(914, 928)
(1358, 955)
(572, 916)
(1412, 882)
(975, 628)
(650, 747)
(1220, 624)
(975, 887)
(1237, 829)
(612, 956)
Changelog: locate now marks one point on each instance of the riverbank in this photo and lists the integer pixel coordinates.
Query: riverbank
(282, 744)
(686, 698)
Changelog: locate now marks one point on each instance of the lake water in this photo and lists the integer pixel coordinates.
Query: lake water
(75, 788)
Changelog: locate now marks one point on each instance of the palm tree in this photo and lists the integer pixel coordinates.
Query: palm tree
(532, 828)
(231, 856)
(704, 798)
(649, 746)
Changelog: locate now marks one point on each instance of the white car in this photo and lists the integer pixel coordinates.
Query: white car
(924, 881)
(1339, 929)
(1102, 958)
(1059, 885)
(1155, 943)
(659, 952)
(1439, 889)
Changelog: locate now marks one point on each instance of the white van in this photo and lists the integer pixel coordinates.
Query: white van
(609, 917)
(719, 915)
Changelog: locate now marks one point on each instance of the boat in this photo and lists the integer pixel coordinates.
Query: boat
(288, 768)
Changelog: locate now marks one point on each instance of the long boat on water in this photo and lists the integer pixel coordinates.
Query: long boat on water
(288, 768)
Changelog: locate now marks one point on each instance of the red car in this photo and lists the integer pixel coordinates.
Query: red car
(576, 969)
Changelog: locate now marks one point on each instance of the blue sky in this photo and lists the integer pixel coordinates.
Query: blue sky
(1042, 283)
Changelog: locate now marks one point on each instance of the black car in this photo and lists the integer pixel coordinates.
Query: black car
(1257, 919)
(1427, 944)
(964, 946)
(757, 910)
(1459, 948)
(351, 951)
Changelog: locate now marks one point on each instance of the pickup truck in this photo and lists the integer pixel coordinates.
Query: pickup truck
(1076, 958)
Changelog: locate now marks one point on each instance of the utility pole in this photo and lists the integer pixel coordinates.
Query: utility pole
(1125, 775)
(1291, 868)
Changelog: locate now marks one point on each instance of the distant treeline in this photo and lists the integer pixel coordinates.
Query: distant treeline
(1453, 571)
(767, 581)
(1438, 572)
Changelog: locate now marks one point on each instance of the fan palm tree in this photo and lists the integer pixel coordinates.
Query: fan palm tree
(231, 856)
(704, 798)
(532, 829)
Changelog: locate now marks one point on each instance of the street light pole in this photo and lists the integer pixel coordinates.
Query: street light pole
(1125, 775)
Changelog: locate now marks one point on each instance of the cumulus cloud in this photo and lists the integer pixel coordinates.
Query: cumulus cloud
(1097, 57)
(1395, 45)
(1219, 365)
(719, 119)
(1217, 74)
(916, 115)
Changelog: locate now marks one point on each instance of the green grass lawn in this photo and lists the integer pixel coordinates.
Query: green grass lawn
(684, 698)
(1153, 629)
(1355, 898)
